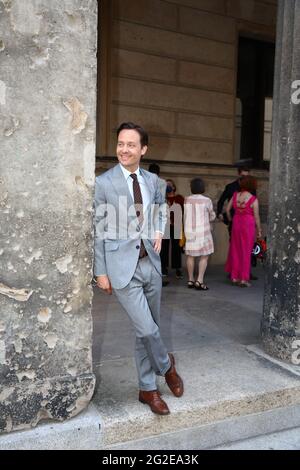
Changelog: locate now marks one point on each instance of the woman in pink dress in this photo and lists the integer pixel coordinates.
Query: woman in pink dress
(244, 224)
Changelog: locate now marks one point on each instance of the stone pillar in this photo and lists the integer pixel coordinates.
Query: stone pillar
(47, 142)
(281, 318)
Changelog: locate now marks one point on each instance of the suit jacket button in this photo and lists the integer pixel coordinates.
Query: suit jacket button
(137, 247)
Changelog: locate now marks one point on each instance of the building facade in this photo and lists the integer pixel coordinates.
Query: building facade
(173, 67)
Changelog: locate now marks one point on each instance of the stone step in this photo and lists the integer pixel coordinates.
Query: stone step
(81, 432)
(288, 439)
(220, 433)
(232, 392)
(84, 432)
(227, 389)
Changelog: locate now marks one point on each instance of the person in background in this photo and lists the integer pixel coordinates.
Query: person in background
(173, 200)
(245, 220)
(154, 168)
(198, 215)
(226, 196)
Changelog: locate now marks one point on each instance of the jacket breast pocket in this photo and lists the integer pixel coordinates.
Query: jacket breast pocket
(111, 246)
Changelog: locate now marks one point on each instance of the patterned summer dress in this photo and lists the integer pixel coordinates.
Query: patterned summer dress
(198, 213)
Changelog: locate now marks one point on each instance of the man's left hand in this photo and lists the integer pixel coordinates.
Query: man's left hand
(157, 242)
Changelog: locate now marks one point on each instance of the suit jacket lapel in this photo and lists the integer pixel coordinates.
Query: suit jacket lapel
(125, 207)
(120, 185)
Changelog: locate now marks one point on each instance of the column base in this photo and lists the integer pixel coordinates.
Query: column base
(284, 347)
(59, 398)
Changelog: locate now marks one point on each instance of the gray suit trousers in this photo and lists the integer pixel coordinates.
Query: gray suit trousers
(141, 300)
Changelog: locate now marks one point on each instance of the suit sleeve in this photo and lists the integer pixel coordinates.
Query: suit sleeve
(163, 188)
(100, 216)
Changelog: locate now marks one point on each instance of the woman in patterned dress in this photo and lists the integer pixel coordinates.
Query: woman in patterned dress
(198, 214)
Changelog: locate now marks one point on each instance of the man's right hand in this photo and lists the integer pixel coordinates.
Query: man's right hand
(220, 217)
(103, 283)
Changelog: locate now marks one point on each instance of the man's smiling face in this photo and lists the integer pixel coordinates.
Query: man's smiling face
(129, 149)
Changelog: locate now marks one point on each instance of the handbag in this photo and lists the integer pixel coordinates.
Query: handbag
(182, 239)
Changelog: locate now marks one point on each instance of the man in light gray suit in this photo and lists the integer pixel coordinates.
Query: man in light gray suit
(129, 226)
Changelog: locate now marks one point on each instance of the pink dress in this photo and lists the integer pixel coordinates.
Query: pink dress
(242, 240)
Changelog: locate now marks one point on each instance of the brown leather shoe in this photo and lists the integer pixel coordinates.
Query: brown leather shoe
(173, 380)
(152, 398)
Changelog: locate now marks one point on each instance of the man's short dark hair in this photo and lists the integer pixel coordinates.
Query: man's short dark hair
(197, 186)
(243, 168)
(135, 127)
(154, 168)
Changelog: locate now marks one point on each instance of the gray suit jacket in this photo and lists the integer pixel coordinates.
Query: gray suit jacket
(117, 230)
(162, 184)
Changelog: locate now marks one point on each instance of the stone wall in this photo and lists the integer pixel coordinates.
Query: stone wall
(47, 133)
(171, 66)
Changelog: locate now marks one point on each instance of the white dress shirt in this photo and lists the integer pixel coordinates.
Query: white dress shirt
(142, 183)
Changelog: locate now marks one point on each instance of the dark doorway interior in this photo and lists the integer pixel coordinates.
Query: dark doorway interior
(254, 87)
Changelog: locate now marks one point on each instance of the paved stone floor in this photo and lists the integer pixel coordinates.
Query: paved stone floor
(189, 318)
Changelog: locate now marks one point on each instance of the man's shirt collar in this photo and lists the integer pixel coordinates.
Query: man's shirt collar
(127, 173)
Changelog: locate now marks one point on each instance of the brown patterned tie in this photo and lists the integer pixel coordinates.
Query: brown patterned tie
(138, 204)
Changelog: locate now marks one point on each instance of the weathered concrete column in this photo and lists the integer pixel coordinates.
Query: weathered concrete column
(47, 134)
(281, 319)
